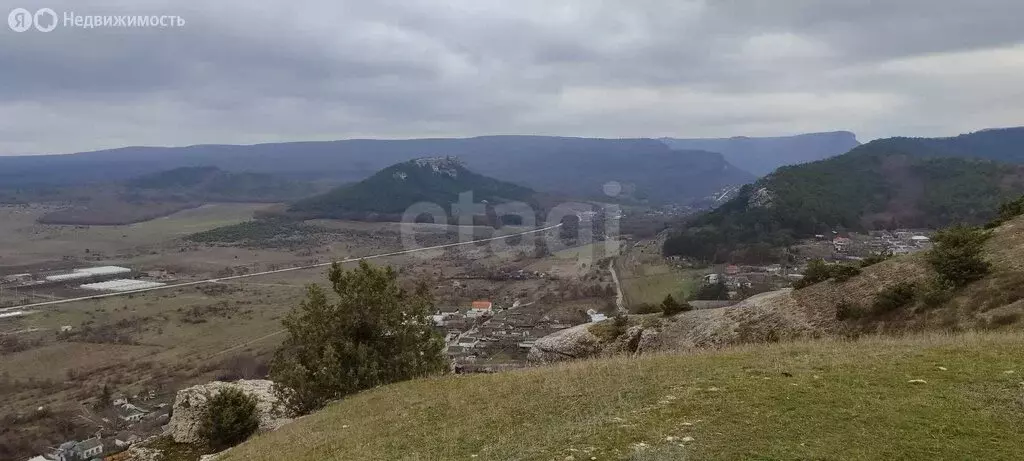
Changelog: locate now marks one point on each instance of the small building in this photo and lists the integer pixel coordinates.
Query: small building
(89, 448)
(125, 439)
(732, 269)
(480, 308)
(596, 316)
(711, 279)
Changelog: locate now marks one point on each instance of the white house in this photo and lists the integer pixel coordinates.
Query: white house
(125, 439)
(89, 448)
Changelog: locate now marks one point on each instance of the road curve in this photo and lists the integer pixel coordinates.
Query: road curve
(278, 271)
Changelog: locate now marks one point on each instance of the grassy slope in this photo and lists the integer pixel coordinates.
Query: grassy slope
(805, 400)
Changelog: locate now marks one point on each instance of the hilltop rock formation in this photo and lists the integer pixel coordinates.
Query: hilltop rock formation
(190, 403)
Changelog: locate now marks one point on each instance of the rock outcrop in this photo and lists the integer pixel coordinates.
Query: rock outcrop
(766, 317)
(141, 453)
(190, 403)
(569, 344)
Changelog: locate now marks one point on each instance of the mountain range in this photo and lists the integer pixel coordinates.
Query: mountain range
(886, 183)
(761, 156)
(647, 169)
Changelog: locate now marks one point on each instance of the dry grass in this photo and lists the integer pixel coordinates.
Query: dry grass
(804, 400)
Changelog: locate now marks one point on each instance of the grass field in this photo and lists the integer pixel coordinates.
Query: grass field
(647, 278)
(24, 241)
(828, 400)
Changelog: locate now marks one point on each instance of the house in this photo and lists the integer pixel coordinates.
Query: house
(65, 452)
(468, 342)
(125, 439)
(86, 449)
(711, 279)
(480, 308)
(732, 269)
(736, 283)
(441, 319)
(130, 413)
(596, 316)
(841, 244)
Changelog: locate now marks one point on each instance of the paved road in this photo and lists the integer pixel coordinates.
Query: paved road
(257, 274)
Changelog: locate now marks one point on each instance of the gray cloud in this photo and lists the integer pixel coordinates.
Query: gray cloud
(241, 73)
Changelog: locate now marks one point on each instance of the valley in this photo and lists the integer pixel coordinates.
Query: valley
(201, 288)
(147, 345)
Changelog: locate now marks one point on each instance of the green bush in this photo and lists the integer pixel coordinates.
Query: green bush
(670, 306)
(819, 271)
(957, 255)
(875, 258)
(372, 332)
(712, 292)
(1007, 211)
(842, 272)
(644, 308)
(847, 311)
(230, 418)
(936, 293)
(894, 297)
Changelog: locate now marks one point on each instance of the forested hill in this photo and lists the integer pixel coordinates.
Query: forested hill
(888, 183)
(390, 192)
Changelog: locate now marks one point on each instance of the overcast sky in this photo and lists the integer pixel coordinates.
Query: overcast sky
(278, 70)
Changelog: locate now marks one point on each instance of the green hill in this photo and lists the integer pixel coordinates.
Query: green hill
(849, 400)
(888, 183)
(390, 192)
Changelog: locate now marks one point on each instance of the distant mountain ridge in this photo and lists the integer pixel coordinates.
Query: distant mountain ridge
(887, 183)
(208, 183)
(762, 155)
(577, 167)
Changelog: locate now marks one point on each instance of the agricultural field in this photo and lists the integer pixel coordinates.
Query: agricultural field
(646, 276)
(23, 241)
(158, 342)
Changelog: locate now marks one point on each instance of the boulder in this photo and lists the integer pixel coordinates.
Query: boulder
(569, 344)
(190, 403)
(140, 453)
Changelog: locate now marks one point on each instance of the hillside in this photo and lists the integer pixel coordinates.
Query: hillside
(888, 183)
(804, 400)
(826, 309)
(213, 184)
(783, 375)
(576, 167)
(386, 195)
(761, 156)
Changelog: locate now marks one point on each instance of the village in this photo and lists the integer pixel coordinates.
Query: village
(120, 421)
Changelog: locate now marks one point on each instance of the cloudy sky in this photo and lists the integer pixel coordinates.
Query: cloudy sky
(278, 70)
